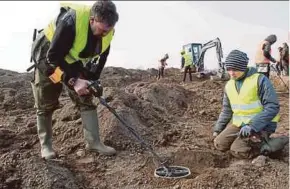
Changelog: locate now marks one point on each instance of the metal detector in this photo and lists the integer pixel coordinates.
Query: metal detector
(164, 171)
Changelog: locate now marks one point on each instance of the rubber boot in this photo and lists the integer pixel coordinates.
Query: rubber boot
(274, 145)
(44, 130)
(91, 133)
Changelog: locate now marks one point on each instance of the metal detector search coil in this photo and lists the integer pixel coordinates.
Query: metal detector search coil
(172, 172)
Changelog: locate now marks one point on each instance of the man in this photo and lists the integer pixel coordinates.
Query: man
(182, 59)
(161, 67)
(285, 59)
(188, 64)
(79, 35)
(279, 66)
(251, 104)
(263, 55)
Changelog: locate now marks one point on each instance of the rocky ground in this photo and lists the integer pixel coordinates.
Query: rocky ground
(175, 118)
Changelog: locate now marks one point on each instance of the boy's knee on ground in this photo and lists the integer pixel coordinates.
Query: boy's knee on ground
(240, 149)
(220, 144)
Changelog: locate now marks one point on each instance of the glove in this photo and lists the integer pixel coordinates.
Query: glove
(96, 88)
(81, 87)
(245, 131)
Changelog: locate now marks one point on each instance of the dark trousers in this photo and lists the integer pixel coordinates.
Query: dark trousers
(160, 72)
(285, 68)
(187, 69)
(239, 147)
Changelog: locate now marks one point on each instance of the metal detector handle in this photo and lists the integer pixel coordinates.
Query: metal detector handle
(30, 68)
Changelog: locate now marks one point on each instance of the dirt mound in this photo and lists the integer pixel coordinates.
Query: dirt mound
(15, 90)
(147, 107)
(175, 119)
(120, 77)
(35, 173)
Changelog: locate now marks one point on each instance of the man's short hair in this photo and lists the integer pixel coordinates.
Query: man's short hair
(106, 12)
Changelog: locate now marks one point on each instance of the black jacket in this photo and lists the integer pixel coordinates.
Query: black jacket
(62, 42)
(271, 39)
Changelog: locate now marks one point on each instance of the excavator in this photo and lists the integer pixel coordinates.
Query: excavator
(197, 51)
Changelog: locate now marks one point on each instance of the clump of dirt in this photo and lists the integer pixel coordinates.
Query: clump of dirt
(174, 118)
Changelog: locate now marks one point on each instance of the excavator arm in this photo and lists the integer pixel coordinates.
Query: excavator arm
(219, 52)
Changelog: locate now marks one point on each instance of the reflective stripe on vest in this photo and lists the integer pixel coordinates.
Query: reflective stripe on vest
(80, 41)
(246, 104)
(187, 60)
(260, 58)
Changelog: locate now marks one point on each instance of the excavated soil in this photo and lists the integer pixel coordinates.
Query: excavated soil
(175, 118)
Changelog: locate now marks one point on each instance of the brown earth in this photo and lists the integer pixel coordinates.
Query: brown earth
(176, 119)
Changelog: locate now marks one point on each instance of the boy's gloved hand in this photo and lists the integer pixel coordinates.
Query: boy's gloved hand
(245, 131)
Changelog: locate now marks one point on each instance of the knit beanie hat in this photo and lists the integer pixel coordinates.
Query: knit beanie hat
(237, 60)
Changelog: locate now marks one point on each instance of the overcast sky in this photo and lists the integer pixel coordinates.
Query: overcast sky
(149, 29)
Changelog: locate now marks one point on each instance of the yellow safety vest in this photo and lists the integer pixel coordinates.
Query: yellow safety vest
(81, 37)
(187, 60)
(246, 104)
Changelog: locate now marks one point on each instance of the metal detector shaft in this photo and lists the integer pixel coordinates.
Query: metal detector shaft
(280, 77)
(103, 102)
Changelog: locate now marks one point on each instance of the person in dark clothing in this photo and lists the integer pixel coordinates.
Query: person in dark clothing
(285, 59)
(182, 61)
(188, 64)
(263, 55)
(187, 69)
(162, 64)
(279, 66)
(70, 52)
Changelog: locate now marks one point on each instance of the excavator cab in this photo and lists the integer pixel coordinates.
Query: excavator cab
(194, 49)
(197, 51)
